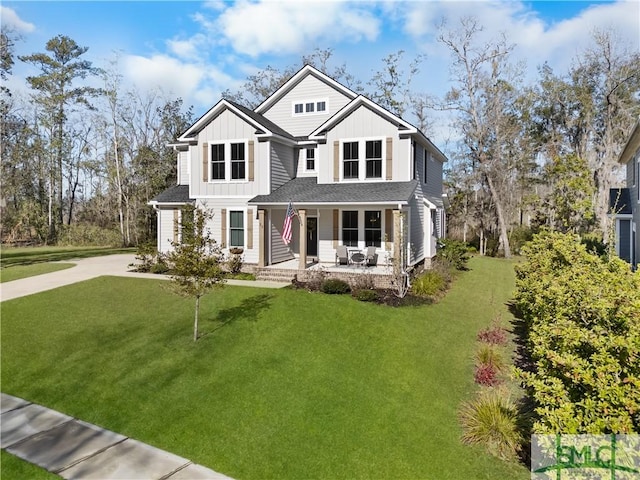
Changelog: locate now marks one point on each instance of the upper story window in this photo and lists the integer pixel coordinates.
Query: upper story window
(373, 158)
(310, 164)
(362, 159)
(237, 161)
(217, 162)
(310, 107)
(228, 161)
(350, 160)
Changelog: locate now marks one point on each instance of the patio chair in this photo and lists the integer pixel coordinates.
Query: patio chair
(342, 256)
(371, 259)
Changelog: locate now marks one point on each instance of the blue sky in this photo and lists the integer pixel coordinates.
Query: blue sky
(195, 50)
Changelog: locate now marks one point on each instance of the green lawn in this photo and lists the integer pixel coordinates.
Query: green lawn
(14, 468)
(293, 385)
(16, 272)
(30, 255)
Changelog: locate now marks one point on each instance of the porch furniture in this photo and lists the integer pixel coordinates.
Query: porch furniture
(371, 259)
(342, 256)
(358, 258)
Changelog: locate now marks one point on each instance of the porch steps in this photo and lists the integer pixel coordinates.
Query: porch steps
(275, 274)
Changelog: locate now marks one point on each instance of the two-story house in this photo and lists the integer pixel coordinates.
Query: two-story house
(356, 174)
(624, 203)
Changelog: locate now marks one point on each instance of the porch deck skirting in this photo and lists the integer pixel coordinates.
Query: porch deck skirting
(380, 277)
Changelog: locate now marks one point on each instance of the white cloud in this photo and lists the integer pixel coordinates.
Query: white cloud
(178, 78)
(12, 20)
(195, 83)
(536, 42)
(293, 26)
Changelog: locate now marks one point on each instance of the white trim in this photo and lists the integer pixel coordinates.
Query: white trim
(213, 112)
(244, 226)
(312, 101)
(362, 161)
(297, 78)
(315, 160)
(390, 203)
(351, 106)
(227, 161)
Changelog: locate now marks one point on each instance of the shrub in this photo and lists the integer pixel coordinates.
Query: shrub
(495, 335)
(363, 282)
(488, 355)
(234, 263)
(88, 236)
(335, 286)
(146, 255)
(428, 284)
(518, 237)
(159, 267)
(491, 420)
(583, 327)
(455, 252)
(366, 295)
(486, 374)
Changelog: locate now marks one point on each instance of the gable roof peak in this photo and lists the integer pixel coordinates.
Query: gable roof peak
(300, 75)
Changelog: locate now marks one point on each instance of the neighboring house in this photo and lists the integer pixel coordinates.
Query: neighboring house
(624, 203)
(356, 174)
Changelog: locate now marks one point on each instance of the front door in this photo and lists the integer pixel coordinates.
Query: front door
(312, 237)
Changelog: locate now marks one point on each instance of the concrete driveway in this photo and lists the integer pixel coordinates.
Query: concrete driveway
(88, 268)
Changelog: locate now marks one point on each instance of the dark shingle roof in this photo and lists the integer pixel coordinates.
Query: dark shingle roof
(620, 201)
(177, 194)
(307, 190)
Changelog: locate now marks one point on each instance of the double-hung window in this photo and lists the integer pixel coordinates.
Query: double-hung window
(372, 228)
(350, 160)
(311, 159)
(373, 158)
(217, 161)
(350, 228)
(237, 161)
(236, 228)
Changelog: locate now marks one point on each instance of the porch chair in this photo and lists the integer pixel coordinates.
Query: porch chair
(371, 259)
(342, 256)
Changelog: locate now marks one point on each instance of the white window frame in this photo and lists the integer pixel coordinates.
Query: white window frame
(244, 226)
(306, 158)
(310, 101)
(362, 160)
(227, 161)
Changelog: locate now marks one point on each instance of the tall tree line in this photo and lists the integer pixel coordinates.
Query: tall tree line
(82, 150)
(82, 156)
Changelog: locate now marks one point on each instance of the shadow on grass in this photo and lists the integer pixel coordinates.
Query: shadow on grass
(523, 361)
(249, 309)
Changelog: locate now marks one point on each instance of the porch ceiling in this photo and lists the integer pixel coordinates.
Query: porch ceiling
(306, 190)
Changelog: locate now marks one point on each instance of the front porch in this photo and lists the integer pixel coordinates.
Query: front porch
(286, 271)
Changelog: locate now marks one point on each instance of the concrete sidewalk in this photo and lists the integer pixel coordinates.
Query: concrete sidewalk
(88, 268)
(72, 448)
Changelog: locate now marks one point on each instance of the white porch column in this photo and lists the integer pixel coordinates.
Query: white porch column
(261, 240)
(302, 214)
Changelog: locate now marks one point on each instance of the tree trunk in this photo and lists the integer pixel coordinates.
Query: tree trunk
(195, 323)
(504, 233)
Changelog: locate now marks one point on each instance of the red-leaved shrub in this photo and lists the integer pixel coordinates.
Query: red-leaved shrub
(486, 374)
(495, 335)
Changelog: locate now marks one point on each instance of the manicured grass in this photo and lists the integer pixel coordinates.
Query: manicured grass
(14, 468)
(16, 272)
(284, 384)
(30, 255)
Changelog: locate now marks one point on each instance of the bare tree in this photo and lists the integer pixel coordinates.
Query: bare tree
(485, 99)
